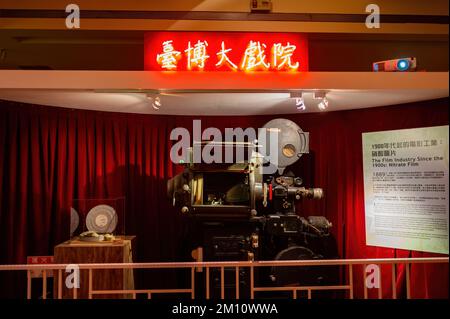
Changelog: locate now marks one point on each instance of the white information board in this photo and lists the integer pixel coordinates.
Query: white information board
(406, 188)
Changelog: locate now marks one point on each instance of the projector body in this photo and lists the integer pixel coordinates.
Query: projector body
(396, 65)
(236, 211)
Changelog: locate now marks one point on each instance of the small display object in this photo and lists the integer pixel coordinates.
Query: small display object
(97, 219)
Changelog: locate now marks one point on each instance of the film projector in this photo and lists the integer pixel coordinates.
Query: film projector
(237, 212)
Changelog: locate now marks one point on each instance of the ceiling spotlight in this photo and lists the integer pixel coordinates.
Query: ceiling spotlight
(296, 94)
(155, 100)
(300, 104)
(299, 101)
(319, 95)
(156, 103)
(323, 104)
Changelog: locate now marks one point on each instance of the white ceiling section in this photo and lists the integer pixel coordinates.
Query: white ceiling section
(216, 103)
(233, 93)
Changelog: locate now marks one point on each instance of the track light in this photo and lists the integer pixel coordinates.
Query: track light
(319, 95)
(156, 101)
(323, 104)
(299, 101)
(300, 104)
(322, 96)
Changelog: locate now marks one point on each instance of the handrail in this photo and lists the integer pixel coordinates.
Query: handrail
(280, 263)
(251, 265)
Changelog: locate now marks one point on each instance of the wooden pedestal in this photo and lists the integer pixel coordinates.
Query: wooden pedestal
(75, 251)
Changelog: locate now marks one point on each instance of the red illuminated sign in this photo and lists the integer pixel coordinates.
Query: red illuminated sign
(225, 51)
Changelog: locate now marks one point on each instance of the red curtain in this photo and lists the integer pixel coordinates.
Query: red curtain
(49, 156)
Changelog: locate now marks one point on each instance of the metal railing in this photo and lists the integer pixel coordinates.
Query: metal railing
(237, 265)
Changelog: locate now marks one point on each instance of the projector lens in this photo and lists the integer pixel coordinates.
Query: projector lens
(403, 65)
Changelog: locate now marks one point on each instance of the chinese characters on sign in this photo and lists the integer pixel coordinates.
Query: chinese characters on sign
(254, 57)
(226, 51)
(223, 58)
(168, 59)
(196, 55)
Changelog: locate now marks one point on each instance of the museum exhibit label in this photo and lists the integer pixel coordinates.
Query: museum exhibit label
(406, 188)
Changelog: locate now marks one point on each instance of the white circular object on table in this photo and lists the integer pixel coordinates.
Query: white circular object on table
(74, 220)
(101, 219)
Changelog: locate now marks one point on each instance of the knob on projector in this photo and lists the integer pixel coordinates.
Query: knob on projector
(396, 65)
